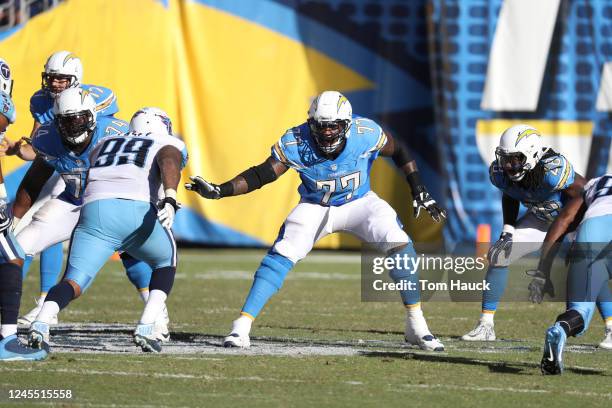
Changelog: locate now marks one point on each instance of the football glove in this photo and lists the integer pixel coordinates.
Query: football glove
(503, 244)
(204, 188)
(422, 199)
(167, 209)
(5, 216)
(539, 286)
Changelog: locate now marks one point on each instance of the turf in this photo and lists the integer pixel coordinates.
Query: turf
(317, 312)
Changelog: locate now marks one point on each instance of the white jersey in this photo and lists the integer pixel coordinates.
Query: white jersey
(125, 166)
(598, 196)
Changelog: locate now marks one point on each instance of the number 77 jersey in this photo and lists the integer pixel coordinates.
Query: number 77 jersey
(124, 166)
(332, 182)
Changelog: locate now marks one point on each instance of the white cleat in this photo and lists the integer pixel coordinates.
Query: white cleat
(236, 340)
(143, 337)
(160, 327)
(482, 332)
(417, 334)
(28, 318)
(607, 341)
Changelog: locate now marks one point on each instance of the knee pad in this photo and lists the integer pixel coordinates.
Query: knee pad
(273, 269)
(571, 321)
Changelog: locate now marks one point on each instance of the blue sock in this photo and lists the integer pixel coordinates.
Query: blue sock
(268, 280)
(605, 309)
(497, 278)
(26, 266)
(411, 276)
(138, 272)
(51, 260)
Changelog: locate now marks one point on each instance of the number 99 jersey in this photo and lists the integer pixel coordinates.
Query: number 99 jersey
(124, 166)
(332, 182)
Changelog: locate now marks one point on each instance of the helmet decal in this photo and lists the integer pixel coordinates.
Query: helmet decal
(524, 134)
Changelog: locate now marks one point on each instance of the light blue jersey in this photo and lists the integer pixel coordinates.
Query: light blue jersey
(41, 103)
(73, 168)
(332, 182)
(545, 200)
(7, 107)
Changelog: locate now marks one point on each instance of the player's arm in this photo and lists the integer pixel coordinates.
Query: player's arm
(406, 163)
(30, 187)
(245, 182)
(21, 148)
(169, 162)
(576, 188)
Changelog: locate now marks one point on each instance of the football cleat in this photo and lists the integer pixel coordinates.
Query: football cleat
(552, 360)
(236, 340)
(38, 334)
(144, 337)
(29, 317)
(11, 349)
(607, 341)
(160, 327)
(417, 333)
(482, 332)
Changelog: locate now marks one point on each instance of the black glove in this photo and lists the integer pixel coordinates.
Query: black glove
(422, 199)
(204, 188)
(503, 244)
(539, 286)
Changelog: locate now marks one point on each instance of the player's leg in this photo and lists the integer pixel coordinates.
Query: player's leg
(90, 247)
(527, 238)
(51, 224)
(11, 258)
(304, 226)
(374, 221)
(155, 245)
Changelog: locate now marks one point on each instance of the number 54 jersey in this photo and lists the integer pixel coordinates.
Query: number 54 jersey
(124, 166)
(332, 182)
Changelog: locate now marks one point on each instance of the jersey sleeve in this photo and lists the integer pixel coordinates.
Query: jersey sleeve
(7, 107)
(40, 108)
(286, 149)
(106, 100)
(559, 173)
(109, 126)
(374, 138)
(43, 143)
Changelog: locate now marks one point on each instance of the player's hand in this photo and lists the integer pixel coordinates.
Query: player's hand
(539, 286)
(502, 245)
(9, 148)
(167, 209)
(422, 199)
(204, 188)
(5, 216)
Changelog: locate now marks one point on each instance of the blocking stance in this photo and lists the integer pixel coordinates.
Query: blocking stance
(333, 153)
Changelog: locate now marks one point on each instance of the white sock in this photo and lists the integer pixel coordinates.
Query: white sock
(609, 323)
(49, 310)
(487, 318)
(415, 312)
(242, 325)
(144, 295)
(8, 330)
(155, 305)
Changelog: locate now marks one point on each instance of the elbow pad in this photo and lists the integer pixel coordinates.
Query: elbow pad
(400, 155)
(258, 176)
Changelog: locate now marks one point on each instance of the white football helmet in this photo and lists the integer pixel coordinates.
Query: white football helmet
(6, 80)
(75, 116)
(519, 151)
(330, 117)
(62, 65)
(151, 120)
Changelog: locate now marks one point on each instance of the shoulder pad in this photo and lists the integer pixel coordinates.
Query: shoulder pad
(46, 140)
(106, 101)
(558, 172)
(286, 149)
(7, 107)
(369, 132)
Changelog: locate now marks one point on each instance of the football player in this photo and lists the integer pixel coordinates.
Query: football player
(590, 266)
(64, 145)
(541, 179)
(11, 254)
(123, 212)
(332, 152)
(64, 70)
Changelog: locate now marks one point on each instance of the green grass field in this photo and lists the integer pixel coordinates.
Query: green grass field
(315, 344)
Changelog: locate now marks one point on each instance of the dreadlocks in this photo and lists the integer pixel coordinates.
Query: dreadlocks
(535, 177)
